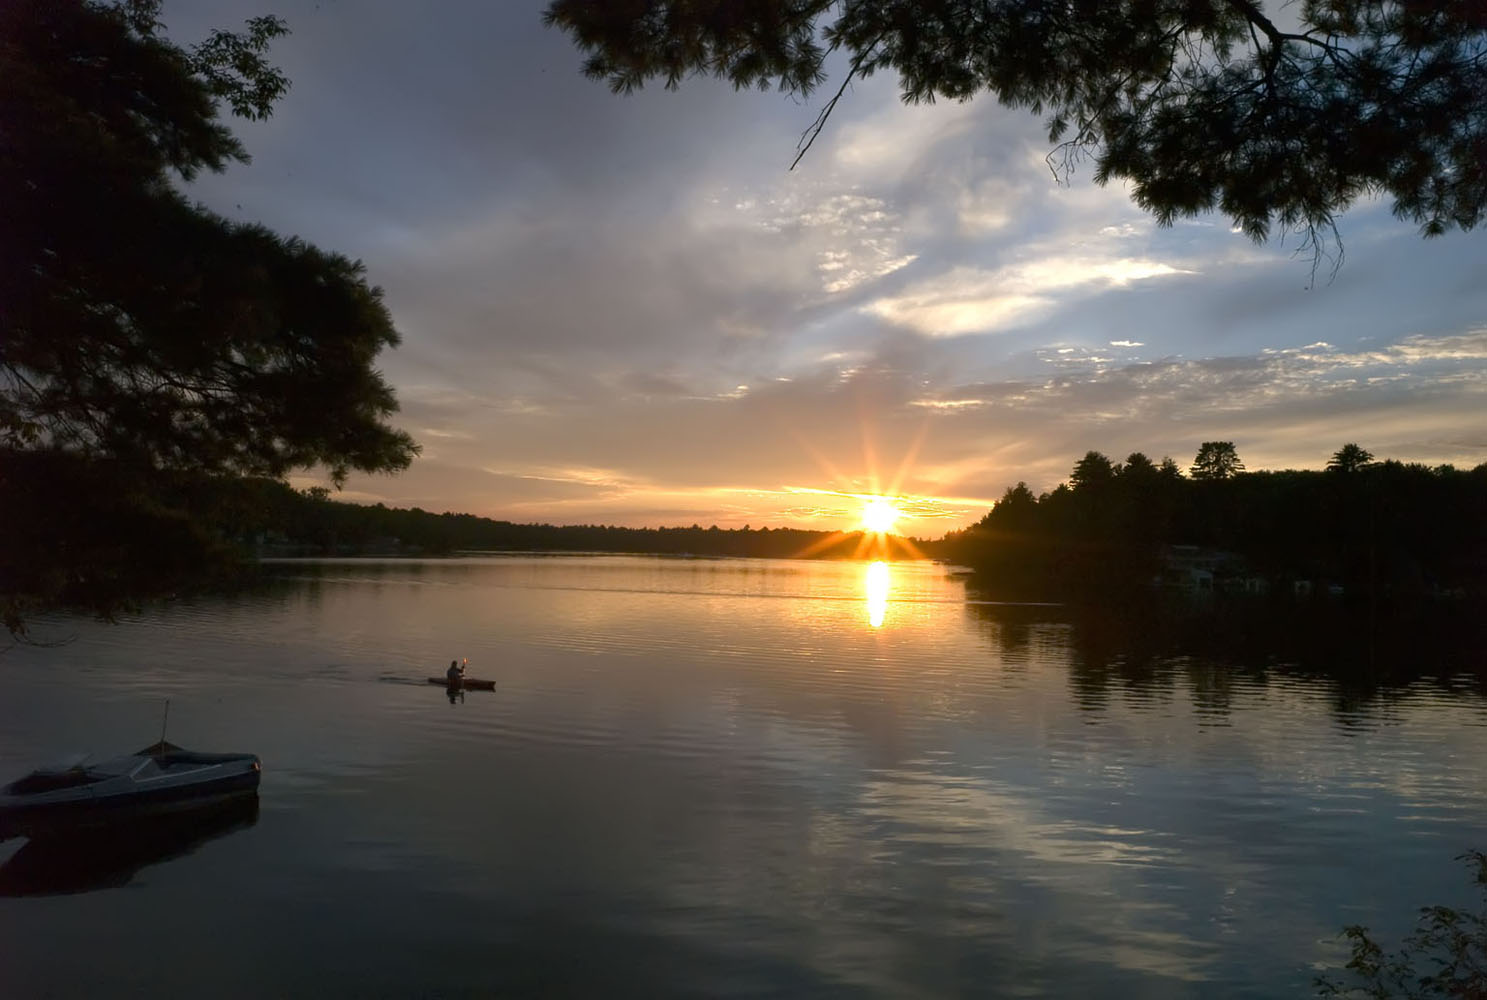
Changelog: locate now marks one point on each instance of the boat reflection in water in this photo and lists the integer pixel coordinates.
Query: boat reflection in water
(109, 857)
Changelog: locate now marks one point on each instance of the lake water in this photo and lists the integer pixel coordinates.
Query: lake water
(733, 777)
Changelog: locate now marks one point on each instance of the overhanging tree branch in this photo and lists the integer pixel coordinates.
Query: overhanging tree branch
(1202, 105)
(808, 137)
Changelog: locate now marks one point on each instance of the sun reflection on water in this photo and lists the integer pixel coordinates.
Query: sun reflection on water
(876, 583)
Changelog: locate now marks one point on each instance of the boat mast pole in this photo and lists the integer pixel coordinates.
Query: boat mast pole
(163, 721)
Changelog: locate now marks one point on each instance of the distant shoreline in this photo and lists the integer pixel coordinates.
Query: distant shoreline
(579, 553)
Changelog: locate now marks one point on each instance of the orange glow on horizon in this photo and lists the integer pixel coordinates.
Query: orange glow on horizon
(882, 509)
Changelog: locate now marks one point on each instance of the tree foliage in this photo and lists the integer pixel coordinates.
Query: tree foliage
(1216, 460)
(1092, 472)
(1139, 466)
(137, 325)
(1202, 105)
(1387, 530)
(142, 332)
(1444, 957)
(1349, 458)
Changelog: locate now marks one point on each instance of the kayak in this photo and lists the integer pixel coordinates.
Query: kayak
(468, 683)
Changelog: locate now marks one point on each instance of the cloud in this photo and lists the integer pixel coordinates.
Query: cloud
(889, 138)
(971, 300)
(639, 286)
(854, 237)
(748, 457)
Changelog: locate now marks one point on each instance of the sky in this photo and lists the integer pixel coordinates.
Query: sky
(629, 310)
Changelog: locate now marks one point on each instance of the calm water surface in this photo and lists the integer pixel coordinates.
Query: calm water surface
(725, 777)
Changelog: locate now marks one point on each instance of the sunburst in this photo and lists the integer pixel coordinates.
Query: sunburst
(879, 514)
(880, 510)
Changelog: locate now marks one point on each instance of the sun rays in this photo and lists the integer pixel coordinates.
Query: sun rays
(879, 514)
(874, 505)
(874, 532)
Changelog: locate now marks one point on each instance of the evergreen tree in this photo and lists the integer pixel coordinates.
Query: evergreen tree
(1092, 472)
(1138, 467)
(1349, 458)
(1017, 510)
(1216, 460)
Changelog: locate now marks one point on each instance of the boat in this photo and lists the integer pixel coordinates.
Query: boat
(160, 779)
(467, 683)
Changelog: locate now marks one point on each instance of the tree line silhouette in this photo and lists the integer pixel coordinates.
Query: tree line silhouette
(1364, 527)
(271, 518)
(1375, 528)
(92, 537)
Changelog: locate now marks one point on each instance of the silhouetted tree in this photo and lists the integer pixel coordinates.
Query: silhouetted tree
(1138, 466)
(1201, 104)
(1216, 460)
(1349, 458)
(139, 332)
(1145, 500)
(1017, 510)
(1092, 472)
(1389, 530)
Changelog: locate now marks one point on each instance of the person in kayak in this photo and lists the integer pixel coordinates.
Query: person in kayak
(456, 673)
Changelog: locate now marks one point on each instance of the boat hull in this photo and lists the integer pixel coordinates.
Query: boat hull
(468, 684)
(159, 785)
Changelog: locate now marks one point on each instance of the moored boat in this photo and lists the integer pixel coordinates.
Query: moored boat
(159, 779)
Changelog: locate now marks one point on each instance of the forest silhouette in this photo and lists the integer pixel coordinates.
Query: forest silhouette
(1358, 528)
(1369, 531)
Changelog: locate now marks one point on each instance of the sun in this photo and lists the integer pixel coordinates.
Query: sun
(879, 514)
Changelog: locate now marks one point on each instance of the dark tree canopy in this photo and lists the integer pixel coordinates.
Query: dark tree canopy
(143, 337)
(1092, 471)
(136, 325)
(1279, 122)
(1216, 460)
(1015, 511)
(1388, 531)
(1349, 458)
(1138, 466)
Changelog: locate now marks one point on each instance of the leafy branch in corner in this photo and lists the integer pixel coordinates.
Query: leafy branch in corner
(1444, 957)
